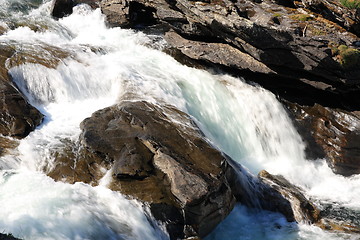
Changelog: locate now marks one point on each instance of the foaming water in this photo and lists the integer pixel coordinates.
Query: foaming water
(68, 74)
(83, 66)
(252, 224)
(39, 208)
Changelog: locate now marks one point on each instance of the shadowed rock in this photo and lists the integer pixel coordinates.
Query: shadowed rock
(279, 195)
(62, 8)
(7, 237)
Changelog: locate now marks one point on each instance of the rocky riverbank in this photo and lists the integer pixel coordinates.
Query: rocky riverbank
(305, 52)
(157, 155)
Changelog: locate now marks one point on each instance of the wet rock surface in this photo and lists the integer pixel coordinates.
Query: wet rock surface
(330, 133)
(277, 194)
(17, 117)
(158, 156)
(280, 195)
(306, 52)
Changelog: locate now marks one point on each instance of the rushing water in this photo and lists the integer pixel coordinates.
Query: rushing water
(84, 67)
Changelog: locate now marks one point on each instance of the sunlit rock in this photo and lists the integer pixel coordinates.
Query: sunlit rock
(17, 117)
(290, 44)
(330, 133)
(280, 195)
(158, 156)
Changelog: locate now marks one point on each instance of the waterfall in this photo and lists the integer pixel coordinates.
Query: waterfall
(84, 66)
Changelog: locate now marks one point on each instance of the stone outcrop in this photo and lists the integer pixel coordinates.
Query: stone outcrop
(330, 133)
(17, 117)
(297, 48)
(158, 156)
(278, 194)
(306, 52)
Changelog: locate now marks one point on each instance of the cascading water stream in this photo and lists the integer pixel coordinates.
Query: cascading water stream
(95, 66)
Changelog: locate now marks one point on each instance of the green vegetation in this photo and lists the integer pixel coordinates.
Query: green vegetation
(316, 31)
(348, 58)
(302, 17)
(351, 4)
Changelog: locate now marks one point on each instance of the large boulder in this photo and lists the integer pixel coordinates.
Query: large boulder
(330, 133)
(158, 156)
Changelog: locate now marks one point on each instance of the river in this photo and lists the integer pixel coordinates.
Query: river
(95, 66)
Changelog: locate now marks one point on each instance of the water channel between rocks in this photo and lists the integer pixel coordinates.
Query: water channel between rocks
(94, 67)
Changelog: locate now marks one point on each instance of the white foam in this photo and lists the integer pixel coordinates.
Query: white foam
(39, 208)
(252, 224)
(244, 121)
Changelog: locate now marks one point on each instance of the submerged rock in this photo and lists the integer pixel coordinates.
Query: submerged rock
(337, 226)
(330, 133)
(158, 156)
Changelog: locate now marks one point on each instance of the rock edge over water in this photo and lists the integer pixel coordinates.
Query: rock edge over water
(158, 156)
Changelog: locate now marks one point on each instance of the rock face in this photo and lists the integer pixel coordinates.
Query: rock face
(296, 47)
(333, 134)
(158, 156)
(17, 117)
(278, 194)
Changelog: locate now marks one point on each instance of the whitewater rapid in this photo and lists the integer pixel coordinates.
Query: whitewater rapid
(101, 65)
